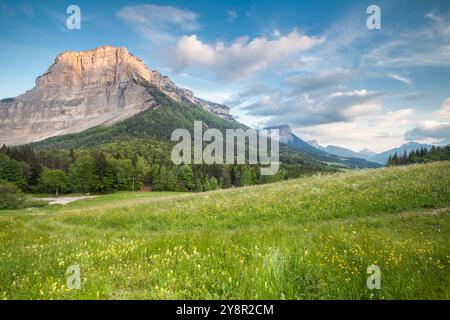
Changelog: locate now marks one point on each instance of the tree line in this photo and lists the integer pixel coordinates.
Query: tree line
(116, 167)
(421, 155)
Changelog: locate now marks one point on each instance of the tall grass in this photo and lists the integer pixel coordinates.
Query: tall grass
(310, 238)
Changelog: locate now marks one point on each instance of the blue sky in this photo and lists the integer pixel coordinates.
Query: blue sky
(311, 64)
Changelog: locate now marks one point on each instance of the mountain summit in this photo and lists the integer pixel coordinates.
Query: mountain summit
(85, 89)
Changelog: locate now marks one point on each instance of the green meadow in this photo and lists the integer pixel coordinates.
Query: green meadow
(308, 238)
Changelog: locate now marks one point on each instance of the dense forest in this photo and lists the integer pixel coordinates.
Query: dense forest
(133, 164)
(143, 164)
(420, 156)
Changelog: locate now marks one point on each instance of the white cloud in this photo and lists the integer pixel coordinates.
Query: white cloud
(445, 109)
(432, 131)
(314, 109)
(414, 96)
(189, 50)
(347, 39)
(427, 46)
(243, 57)
(438, 132)
(379, 132)
(349, 118)
(159, 24)
(433, 16)
(400, 78)
(170, 30)
(319, 80)
(315, 99)
(353, 135)
(395, 118)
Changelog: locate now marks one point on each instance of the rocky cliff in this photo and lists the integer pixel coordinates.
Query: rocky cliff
(84, 89)
(218, 109)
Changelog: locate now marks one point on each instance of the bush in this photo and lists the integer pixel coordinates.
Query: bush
(12, 198)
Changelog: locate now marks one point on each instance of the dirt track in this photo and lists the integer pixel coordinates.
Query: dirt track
(65, 200)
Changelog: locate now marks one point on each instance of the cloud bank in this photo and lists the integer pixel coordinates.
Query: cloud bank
(243, 57)
(315, 109)
(430, 130)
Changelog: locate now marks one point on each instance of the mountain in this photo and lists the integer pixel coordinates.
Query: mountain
(343, 152)
(88, 88)
(88, 99)
(155, 123)
(147, 134)
(106, 96)
(366, 153)
(383, 157)
(293, 141)
(315, 144)
(380, 158)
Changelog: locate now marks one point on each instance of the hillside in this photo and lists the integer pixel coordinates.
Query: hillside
(155, 126)
(157, 123)
(309, 238)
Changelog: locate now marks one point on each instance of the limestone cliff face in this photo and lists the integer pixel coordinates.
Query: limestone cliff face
(218, 109)
(81, 90)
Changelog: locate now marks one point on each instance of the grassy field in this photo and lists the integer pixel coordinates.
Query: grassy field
(311, 238)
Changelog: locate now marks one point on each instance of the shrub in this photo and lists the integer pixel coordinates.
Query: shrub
(12, 198)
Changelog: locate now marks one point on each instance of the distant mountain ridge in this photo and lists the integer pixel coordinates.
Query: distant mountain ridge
(368, 155)
(290, 139)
